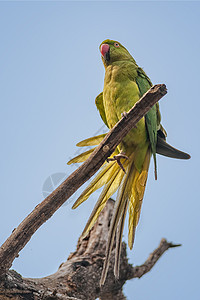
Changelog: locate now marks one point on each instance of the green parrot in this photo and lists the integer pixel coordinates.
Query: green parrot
(127, 169)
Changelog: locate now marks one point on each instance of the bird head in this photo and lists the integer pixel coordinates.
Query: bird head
(112, 51)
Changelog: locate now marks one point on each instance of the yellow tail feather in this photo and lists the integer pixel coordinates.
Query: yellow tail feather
(92, 141)
(136, 197)
(119, 234)
(101, 179)
(109, 189)
(119, 209)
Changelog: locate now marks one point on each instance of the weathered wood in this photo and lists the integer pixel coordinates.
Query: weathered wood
(43, 211)
(79, 276)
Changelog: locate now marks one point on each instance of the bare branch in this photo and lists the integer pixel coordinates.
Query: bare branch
(139, 271)
(43, 211)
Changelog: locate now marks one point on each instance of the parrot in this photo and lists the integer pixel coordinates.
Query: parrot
(127, 169)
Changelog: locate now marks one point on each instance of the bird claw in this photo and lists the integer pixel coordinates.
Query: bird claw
(117, 158)
(124, 114)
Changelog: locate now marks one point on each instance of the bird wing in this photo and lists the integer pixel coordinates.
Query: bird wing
(144, 84)
(100, 107)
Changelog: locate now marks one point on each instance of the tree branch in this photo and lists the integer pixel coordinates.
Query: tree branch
(43, 211)
(79, 276)
(139, 271)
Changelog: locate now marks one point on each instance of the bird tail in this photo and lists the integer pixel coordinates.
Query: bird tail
(110, 176)
(131, 187)
(130, 196)
(163, 148)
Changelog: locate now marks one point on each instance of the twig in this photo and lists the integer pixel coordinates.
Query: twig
(43, 211)
(139, 271)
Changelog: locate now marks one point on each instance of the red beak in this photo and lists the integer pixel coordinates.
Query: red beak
(105, 52)
(104, 49)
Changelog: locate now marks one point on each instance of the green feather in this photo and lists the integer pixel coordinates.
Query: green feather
(100, 107)
(144, 84)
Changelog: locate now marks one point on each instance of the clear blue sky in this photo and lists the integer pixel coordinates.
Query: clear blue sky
(50, 74)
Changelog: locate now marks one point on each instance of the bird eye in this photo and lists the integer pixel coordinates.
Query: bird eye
(116, 45)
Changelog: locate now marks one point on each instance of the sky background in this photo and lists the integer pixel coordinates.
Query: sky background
(50, 74)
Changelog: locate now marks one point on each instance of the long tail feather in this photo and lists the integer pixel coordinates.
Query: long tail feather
(109, 189)
(136, 197)
(118, 210)
(119, 240)
(102, 177)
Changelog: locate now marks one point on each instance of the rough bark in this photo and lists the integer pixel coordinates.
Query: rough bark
(43, 211)
(79, 276)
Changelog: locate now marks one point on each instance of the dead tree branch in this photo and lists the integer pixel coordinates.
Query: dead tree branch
(43, 211)
(79, 276)
(139, 271)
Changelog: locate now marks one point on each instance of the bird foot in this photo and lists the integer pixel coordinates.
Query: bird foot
(118, 158)
(124, 114)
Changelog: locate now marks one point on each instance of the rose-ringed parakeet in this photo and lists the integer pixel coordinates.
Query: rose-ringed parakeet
(124, 84)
